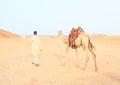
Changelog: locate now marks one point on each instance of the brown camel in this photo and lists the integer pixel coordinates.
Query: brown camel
(84, 41)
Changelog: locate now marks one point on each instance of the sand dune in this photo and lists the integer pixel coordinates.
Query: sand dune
(16, 67)
(6, 34)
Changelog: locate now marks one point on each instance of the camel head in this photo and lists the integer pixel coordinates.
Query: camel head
(80, 30)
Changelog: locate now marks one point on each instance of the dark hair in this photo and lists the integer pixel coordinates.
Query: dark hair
(35, 32)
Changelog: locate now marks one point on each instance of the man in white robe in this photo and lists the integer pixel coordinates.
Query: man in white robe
(36, 47)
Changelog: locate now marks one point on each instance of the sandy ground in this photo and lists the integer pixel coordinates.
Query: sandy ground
(16, 66)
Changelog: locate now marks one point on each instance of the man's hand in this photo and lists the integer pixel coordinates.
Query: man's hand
(41, 49)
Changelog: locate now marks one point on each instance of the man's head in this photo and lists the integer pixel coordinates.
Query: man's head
(35, 32)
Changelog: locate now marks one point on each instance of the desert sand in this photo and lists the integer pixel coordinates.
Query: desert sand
(56, 66)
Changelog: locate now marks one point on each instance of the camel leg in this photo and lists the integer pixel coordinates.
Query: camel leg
(76, 51)
(77, 60)
(87, 58)
(67, 48)
(94, 58)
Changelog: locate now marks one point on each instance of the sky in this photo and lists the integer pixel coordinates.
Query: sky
(49, 16)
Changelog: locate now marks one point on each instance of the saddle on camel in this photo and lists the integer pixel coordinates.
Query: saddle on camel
(72, 37)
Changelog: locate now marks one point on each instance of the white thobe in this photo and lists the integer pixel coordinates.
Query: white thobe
(36, 47)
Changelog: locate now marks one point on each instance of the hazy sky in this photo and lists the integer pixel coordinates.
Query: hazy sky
(49, 16)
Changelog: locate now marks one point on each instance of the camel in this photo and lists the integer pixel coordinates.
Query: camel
(60, 36)
(84, 41)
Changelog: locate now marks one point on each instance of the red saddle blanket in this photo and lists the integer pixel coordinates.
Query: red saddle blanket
(72, 37)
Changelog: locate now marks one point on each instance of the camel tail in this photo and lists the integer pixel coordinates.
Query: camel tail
(91, 44)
